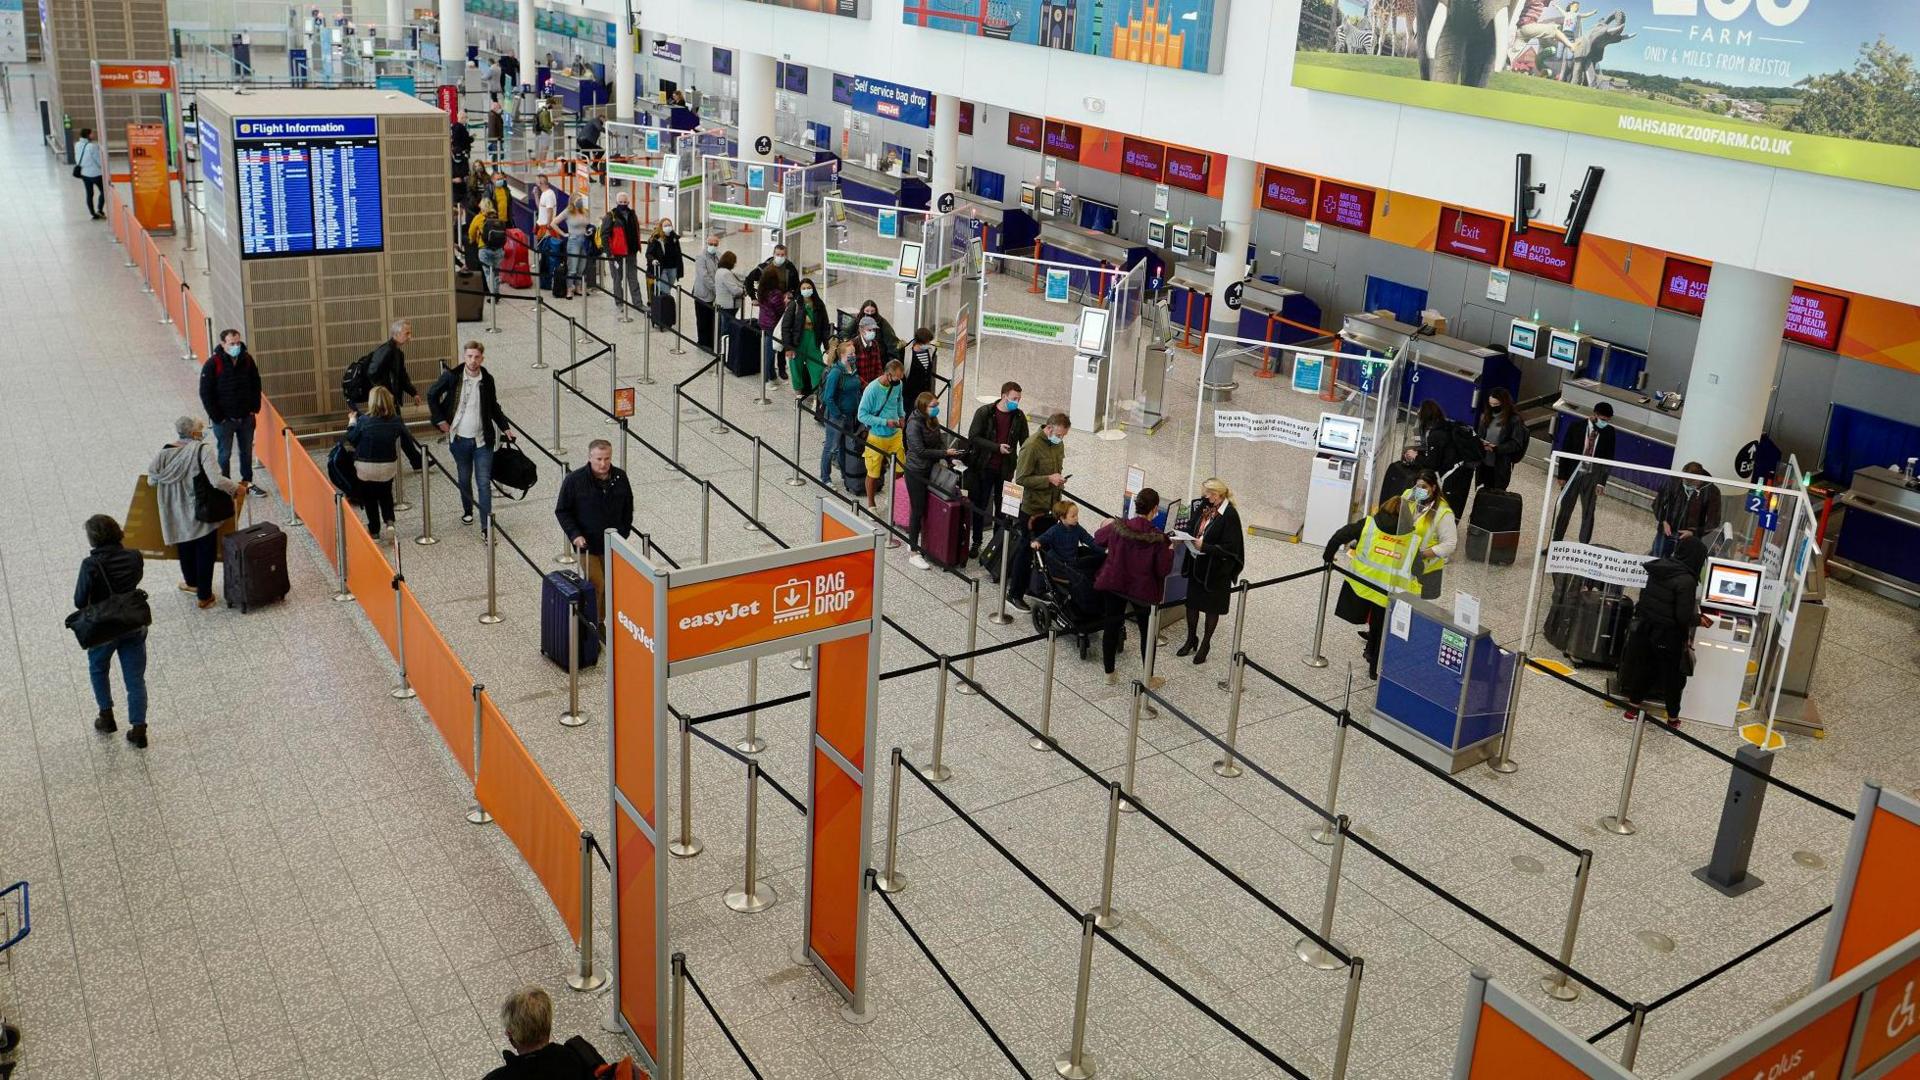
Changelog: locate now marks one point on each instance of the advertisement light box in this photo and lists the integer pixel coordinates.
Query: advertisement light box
(1471, 236)
(1542, 253)
(1287, 193)
(1345, 206)
(1141, 158)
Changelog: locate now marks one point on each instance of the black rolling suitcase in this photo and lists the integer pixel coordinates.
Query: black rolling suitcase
(557, 592)
(469, 296)
(743, 349)
(853, 462)
(1588, 621)
(1493, 529)
(662, 310)
(255, 566)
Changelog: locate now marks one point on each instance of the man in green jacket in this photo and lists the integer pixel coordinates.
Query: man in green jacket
(1037, 471)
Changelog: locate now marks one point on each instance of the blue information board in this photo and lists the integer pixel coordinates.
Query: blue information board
(211, 166)
(307, 185)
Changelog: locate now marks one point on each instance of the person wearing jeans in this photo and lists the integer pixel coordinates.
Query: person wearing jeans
(90, 161)
(111, 568)
(230, 392)
(466, 408)
(172, 473)
(840, 408)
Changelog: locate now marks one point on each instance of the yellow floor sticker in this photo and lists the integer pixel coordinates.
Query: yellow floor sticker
(1755, 733)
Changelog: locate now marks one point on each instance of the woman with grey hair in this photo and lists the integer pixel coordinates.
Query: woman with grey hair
(186, 477)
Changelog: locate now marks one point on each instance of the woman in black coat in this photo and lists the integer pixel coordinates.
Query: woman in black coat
(1503, 440)
(1659, 652)
(1216, 555)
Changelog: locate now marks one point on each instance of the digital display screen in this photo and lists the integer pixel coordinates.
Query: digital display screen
(1024, 131)
(1523, 339)
(722, 61)
(1471, 236)
(1287, 193)
(1063, 140)
(1814, 318)
(1733, 585)
(1345, 206)
(1093, 330)
(307, 185)
(1187, 169)
(842, 92)
(1143, 159)
(1683, 286)
(966, 117)
(793, 78)
(910, 262)
(1563, 350)
(1340, 433)
(1542, 253)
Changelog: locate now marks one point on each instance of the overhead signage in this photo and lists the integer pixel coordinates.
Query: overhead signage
(129, 76)
(1287, 193)
(1185, 34)
(851, 9)
(1188, 169)
(13, 32)
(1814, 318)
(1063, 140)
(1141, 158)
(1683, 285)
(735, 612)
(307, 185)
(1344, 205)
(1794, 84)
(1470, 235)
(1542, 253)
(892, 101)
(1265, 427)
(666, 50)
(212, 169)
(1024, 131)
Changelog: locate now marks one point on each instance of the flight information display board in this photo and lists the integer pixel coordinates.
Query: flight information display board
(307, 185)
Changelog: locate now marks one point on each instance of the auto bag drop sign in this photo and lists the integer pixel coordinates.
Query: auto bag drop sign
(731, 613)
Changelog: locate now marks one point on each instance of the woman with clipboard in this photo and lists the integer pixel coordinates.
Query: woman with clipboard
(1217, 552)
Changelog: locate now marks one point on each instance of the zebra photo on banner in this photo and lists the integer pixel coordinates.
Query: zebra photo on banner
(1374, 27)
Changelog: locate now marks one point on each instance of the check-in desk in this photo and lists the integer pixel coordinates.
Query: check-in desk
(1263, 307)
(1879, 544)
(1645, 435)
(1095, 259)
(1454, 373)
(578, 93)
(1445, 692)
(861, 184)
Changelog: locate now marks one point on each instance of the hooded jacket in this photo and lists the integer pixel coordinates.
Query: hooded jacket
(1139, 558)
(1669, 607)
(172, 473)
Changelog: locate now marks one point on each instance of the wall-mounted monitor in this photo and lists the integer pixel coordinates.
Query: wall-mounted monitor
(1732, 585)
(1049, 201)
(1188, 169)
(1024, 132)
(1063, 140)
(307, 185)
(1141, 158)
(1815, 318)
(1523, 339)
(1180, 239)
(1567, 350)
(1157, 232)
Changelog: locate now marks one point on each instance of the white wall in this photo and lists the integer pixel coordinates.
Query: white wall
(1846, 235)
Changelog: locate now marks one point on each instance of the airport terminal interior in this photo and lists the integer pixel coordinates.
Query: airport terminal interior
(1390, 551)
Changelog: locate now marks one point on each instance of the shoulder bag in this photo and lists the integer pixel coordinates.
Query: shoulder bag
(121, 613)
(210, 504)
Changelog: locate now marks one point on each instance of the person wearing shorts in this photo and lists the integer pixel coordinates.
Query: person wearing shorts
(881, 409)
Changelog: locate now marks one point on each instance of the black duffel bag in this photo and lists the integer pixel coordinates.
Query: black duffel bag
(120, 614)
(512, 468)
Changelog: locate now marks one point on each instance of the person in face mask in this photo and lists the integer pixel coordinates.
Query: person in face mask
(889, 341)
(777, 261)
(920, 357)
(870, 357)
(997, 429)
(803, 332)
(1685, 509)
(840, 408)
(883, 413)
(1582, 481)
(1037, 469)
(704, 269)
(926, 448)
(1435, 530)
(230, 392)
(664, 262)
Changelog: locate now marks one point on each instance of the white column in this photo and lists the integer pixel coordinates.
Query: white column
(1735, 359)
(526, 57)
(623, 66)
(453, 40)
(396, 18)
(946, 147)
(756, 102)
(1230, 265)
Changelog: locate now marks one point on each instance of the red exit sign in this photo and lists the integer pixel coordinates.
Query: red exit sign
(1471, 236)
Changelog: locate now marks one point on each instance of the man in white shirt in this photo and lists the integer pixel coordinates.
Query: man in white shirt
(546, 202)
(464, 406)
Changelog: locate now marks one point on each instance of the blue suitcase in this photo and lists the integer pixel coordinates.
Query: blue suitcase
(557, 592)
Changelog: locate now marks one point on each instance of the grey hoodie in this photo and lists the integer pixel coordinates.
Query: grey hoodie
(172, 473)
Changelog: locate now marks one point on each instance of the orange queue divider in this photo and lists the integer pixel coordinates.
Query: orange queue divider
(370, 579)
(197, 331)
(171, 299)
(530, 812)
(439, 679)
(270, 444)
(313, 501)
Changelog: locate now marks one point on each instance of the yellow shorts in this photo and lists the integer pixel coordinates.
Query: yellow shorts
(877, 450)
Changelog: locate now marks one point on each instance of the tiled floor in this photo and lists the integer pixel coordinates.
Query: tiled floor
(317, 864)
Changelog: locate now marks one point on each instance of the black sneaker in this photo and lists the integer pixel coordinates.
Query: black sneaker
(137, 735)
(104, 722)
(1019, 605)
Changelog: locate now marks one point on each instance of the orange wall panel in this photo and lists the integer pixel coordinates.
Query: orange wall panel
(1604, 269)
(1882, 332)
(1407, 220)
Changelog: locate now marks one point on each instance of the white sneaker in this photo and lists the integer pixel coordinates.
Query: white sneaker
(920, 562)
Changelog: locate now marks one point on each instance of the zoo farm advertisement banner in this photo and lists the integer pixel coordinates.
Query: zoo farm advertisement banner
(1822, 86)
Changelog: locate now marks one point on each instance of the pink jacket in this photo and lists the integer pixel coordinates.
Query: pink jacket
(1139, 558)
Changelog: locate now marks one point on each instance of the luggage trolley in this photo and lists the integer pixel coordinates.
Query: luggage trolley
(10, 1033)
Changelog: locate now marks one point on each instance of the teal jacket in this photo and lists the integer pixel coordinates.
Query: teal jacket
(881, 407)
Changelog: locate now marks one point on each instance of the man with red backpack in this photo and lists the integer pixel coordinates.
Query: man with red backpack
(230, 392)
(620, 241)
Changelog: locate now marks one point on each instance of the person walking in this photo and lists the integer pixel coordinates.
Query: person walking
(881, 410)
(994, 433)
(230, 392)
(594, 498)
(111, 569)
(705, 269)
(376, 436)
(772, 295)
(1216, 556)
(388, 365)
(664, 263)
(1582, 482)
(496, 129)
(1685, 509)
(90, 165)
(1132, 579)
(1436, 529)
(840, 394)
(1503, 441)
(1037, 470)
(488, 234)
(620, 239)
(1659, 650)
(804, 332)
(579, 247)
(466, 408)
(727, 291)
(185, 478)
(927, 447)
(1382, 553)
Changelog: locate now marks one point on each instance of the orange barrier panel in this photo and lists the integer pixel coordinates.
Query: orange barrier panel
(514, 790)
(370, 579)
(269, 445)
(313, 499)
(170, 296)
(152, 262)
(444, 685)
(195, 332)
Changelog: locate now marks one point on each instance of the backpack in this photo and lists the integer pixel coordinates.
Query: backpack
(543, 121)
(356, 383)
(616, 237)
(494, 234)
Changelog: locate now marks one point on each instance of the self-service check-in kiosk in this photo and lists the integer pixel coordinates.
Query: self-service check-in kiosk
(1089, 370)
(1336, 459)
(1730, 599)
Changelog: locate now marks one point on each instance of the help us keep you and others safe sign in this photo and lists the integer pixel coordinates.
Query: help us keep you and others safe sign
(735, 612)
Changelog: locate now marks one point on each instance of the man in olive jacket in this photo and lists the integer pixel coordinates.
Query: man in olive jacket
(1037, 471)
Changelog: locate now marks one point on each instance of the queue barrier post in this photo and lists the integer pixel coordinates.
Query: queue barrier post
(492, 614)
(573, 717)
(1239, 631)
(573, 351)
(1076, 1063)
(1318, 659)
(400, 500)
(1630, 1047)
(719, 399)
(796, 480)
(1133, 742)
(340, 594)
(674, 446)
(936, 770)
(289, 445)
(186, 335)
(1349, 1011)
(1503, 762)
(766, 374)
(706, 520)
(685, 845)
(555, 437)
(646, 359)
(566, 556)
(1044, 741)
(493, 316)
(1151, 647)
(891, 880)
(1000, 617)
(1617, 822)
(674, 295)
(753, 496)
(539, 335)
(752, 743)
(754, 895)
(1328, 833)
(613, 381)
(478, 814)
(405, 690)
(1311, 952)
(1557, 985)
(973, 636)
(626, 433)
(677, 1040)
(584, 979)
(426, 537)
(1236, 687)
(1105, 917)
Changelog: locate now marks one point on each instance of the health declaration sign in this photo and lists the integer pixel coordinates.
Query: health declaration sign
(1822, 86)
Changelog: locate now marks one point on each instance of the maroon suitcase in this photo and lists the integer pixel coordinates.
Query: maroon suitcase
(943, 535)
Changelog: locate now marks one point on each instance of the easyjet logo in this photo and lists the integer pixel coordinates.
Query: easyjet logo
(720, 616)
(635, 632)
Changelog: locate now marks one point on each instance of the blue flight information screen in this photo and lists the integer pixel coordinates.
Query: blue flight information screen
(307, 185)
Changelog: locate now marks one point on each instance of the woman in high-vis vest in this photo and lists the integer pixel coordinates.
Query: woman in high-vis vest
(1384, 551)
(1435, 527)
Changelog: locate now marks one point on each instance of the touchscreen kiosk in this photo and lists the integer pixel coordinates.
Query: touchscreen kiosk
(909, 261)
(1087, 409)
(1156, 232)
(1330, 484)
(1182, 239)
(1523, 339)
(1340, 434)
(1567, 350)
(1730, 602)
(1049, 199)
(1732, 585)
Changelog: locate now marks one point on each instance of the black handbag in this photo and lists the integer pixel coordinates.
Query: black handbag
(512, 468)
(121, 613)
(210, 504)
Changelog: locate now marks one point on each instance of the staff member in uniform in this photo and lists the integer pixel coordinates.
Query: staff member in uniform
(1685, 509)
(1582, 482)
(1219, 553)
(1382, 555)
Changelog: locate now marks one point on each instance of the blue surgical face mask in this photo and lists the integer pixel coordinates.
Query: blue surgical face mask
(933, 411)
(1054, 439)
(808, 293)
(1599, 424)
(1419, 495)
(234, 349)
(1013, 405)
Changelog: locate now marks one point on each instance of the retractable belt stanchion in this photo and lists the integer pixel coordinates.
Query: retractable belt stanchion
(1318, 659)
(1502, 763)
(400, 501)
(555, 440)
(754, 895)
(1630, 1047)
(719, 400)
(291, 446)
(646, 361)
(766, 379)
(890, 879)
(613, 382)
(492, 614)
(674, 445)
(493, 316)
(752, 743)
(573, 717)
(1239, 630)
(1617, 822)
(478, 815)
(936, 770)
(584, 979)
(1557, 985)
(1133, 742)
(1104, 916)
(1349, 1011)
(1044, 740)
(677, 1040)
(753, 496)
(1307, 949)
(539, 334)
(1000, 617)
(625, 433)
(405, 690)
(673, 295)
(685, 845)
(1076, 1063)
(426, 537)
(1326, 834)
(340, 594)
(1150, 659)
(706, 519)
(796, 480)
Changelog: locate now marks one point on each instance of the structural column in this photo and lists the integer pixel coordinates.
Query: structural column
(623, 69)
(756, 103)
(1230, 265)
(396, 19)
(1735, 360)
(946, 146)
(528, 64)
(453, 39)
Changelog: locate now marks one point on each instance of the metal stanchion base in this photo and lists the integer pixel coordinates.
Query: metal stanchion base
(797, 481)
(572, 719)
(719, 429)
(294, 521)
(625, 318)
(998, 619)
(1040, 744)
(750, 527)
(539, 365)
(426, 541)
(587, 985)
(685, 849)
(1316, 957)
(1559, 987)
(342, 597)
(966, 689)
(1503, 767)
(939, 774)
(1108, 920)
(751, 746)
(748, 903)
(1324, 835)
(1618, 826)
(1315, 661)
(891, 883)
(479, 816)
(403, 692)
(1226, 768)
(801, 663)
(491, 330)
(567, 560)
(489, 620)
(855, 1017)
(403, 506)
(1065, 1067)
(644, 380)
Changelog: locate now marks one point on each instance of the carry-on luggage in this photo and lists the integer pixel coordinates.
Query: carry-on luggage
(1493, 529)
(512, 468)
(662, 310)
(469, 296)
(944, 533)
(557, 592)
(255, 566)
(853, 461)
(743, 349)
(1588, 621)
